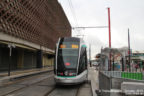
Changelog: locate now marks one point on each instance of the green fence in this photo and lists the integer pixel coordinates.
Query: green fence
(128, 75)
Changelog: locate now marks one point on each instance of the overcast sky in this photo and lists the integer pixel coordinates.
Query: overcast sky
(124, 14)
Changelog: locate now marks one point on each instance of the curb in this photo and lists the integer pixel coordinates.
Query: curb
(4, 80)
(93, 82)
(93, 89)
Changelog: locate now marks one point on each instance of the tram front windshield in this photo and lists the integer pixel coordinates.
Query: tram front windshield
(68, 55)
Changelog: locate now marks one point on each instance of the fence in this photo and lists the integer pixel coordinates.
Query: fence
(116, 74)
(126, 75)
(135, 76)
(113, 79)
(104, 84)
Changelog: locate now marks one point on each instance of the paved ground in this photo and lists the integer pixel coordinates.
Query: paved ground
(18, 72)
(93, 76)
(43, 85)
(4, 78)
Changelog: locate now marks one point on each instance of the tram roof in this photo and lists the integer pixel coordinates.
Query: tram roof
(71, 39)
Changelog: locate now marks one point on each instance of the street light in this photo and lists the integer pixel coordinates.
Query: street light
(10, 46)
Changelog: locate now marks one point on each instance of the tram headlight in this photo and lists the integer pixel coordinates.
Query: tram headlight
(70, 74)
(66, 73)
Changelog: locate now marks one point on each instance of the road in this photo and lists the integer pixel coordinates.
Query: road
(43, 85)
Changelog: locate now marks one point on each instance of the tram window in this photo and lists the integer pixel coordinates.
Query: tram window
(68, 57)
(85, 60)
(68, 52)
(73, 45)
(67, 61)
(82, 63)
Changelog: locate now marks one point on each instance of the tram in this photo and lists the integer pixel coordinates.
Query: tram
(71, 61)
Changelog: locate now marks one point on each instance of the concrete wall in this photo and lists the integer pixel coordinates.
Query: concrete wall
(29, 59)
(47, 62)
(106, 84)
(116, 82)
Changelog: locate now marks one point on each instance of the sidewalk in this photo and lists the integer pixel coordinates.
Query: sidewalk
(93, 76)
(4, 78)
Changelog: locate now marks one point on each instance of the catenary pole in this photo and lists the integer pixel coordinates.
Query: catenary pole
(129, 52)
(109, 25)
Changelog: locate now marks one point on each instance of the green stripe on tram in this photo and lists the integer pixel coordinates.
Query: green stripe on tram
(66, 76)
(84, 46)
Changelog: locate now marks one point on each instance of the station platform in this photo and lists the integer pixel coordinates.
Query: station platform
(4, 78)
(93, 77)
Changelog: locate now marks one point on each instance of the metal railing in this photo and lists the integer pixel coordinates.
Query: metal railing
(125, 75)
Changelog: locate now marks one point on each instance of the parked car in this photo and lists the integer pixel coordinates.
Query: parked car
(95, 63)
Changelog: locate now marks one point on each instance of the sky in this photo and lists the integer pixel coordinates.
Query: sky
(124, 14)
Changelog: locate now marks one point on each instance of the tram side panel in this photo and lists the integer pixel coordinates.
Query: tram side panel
(82, 70)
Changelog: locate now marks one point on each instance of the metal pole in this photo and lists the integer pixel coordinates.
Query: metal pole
(10, 52)
(113, 63)
(122, 64)
(90, 55)
(109, 25)
(129, 50)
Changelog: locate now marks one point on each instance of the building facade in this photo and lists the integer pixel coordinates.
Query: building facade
(118, 59)
(29, 30)
(137, 61)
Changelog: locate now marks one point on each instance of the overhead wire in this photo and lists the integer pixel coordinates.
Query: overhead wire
(74, 16)
(73, 12)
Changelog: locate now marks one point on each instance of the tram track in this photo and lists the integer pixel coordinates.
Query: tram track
(45, 87)
(74, 90)
(21, 79)
(78, 90)
(24, 86)
(69, 90)
(84, 90)
(49, 92)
